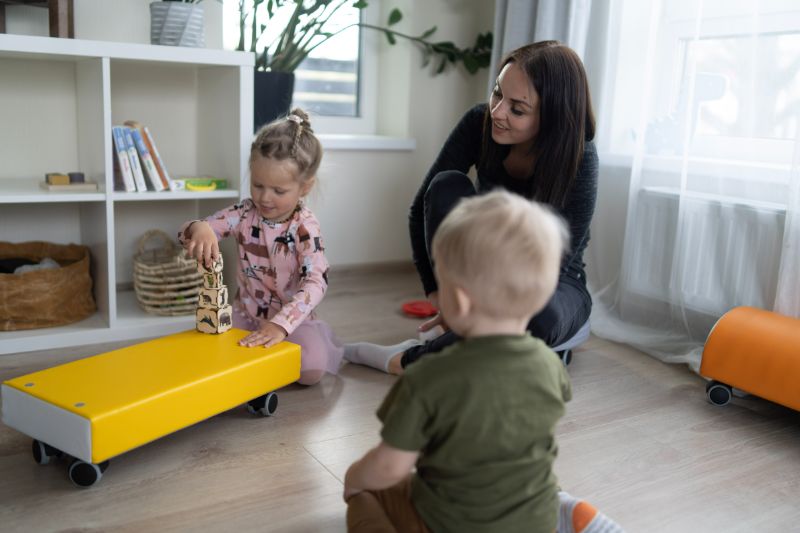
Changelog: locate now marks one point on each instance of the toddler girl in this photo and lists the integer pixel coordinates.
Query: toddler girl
(283, 273)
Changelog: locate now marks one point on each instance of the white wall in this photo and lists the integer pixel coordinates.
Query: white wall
(363, 198)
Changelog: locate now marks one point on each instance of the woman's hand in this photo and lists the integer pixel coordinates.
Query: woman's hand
(428, 325)
(349, 492)
(267, 335)
(202, 243)
(433, 298)
(437, 320)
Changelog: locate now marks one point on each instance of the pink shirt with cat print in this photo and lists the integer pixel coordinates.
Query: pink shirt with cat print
(283, 273)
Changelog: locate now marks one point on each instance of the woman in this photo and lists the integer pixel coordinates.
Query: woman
(533, 138)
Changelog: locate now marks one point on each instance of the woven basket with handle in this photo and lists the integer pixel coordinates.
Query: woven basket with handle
(166, 282)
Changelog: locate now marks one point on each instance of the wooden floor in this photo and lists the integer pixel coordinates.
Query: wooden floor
(639, 440)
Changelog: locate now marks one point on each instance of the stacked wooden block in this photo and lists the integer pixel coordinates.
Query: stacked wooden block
(214, 314)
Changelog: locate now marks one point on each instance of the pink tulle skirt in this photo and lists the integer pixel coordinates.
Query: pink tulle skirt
(320, 349)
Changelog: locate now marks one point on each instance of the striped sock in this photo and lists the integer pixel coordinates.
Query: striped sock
(579, 516)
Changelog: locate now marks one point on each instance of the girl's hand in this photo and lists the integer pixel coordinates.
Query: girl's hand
(267, 335)
(202, 244)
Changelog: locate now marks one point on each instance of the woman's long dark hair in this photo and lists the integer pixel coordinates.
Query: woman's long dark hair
(566, 119)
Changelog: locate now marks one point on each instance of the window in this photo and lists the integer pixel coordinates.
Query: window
(732, 72)
(711, 61)
(326, 83)
(337, 82)
(705, 95)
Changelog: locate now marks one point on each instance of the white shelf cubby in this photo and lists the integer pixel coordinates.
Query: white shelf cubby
(59, 99)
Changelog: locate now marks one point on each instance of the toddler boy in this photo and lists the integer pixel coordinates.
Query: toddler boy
(477, 419)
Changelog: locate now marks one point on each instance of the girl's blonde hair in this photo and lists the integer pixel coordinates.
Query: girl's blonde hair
(504, 250)
(290, 137)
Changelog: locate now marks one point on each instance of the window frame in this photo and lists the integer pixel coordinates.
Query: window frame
(365, 123)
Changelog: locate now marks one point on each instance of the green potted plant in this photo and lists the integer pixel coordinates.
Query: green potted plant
(306, 25)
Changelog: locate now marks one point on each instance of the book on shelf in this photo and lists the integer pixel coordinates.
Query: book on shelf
(151, 154)
(157, 158)
(133, 155)
(148, 167)
(123, 175)
(69, 187)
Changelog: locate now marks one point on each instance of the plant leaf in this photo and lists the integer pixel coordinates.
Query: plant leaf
(394, 17)
(484, 40)
(428, 33)
(360, 4)
(470, 64)
(390, 37)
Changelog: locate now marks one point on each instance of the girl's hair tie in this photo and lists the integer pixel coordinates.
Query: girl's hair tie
(295, 118)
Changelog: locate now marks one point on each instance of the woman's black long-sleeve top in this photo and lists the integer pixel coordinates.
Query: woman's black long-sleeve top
(462, 150)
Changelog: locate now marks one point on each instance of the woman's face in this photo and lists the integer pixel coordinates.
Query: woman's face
(514, 107)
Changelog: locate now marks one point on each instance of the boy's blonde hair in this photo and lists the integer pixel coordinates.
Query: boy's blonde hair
(290, 137)
(504, 250)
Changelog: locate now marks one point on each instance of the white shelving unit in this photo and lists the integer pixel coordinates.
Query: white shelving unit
(58, 101)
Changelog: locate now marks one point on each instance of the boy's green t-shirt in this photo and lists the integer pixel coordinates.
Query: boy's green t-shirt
(482, 413)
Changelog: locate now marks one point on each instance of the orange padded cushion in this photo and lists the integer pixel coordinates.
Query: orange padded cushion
(756, 351)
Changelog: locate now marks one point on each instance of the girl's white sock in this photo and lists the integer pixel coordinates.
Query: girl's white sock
(375, 355)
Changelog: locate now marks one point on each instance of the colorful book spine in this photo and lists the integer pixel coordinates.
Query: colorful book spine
(151, 147)
(162, 169)
(122, 164)
(136, 167)
(149, 167)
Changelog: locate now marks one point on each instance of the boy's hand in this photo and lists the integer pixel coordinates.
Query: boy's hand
(202, 244)
(380, 468)
(267, 335)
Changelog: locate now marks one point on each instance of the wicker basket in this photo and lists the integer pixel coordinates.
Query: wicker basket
(166, 282)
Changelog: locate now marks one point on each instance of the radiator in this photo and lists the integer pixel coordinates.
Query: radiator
(725, 253)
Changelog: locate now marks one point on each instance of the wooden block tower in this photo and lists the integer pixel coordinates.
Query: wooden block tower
(214, 314)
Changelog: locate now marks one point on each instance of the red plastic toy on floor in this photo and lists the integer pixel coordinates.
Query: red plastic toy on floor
(419, 309)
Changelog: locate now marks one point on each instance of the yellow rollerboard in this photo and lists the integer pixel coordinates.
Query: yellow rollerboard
(99, 407)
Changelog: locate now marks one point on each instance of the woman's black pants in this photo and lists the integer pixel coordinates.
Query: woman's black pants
(561, 318)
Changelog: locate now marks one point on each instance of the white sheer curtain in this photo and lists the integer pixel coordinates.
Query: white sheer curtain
(702, 101)
(519, 22)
